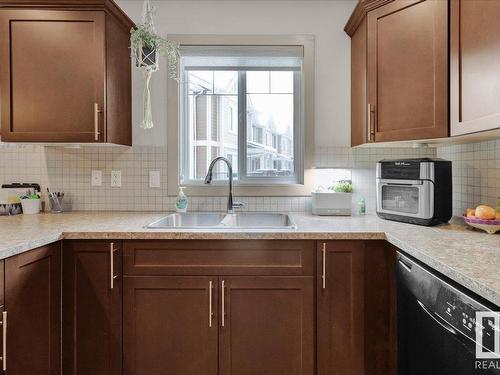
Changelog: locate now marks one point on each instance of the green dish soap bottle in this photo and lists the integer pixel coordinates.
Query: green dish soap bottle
(181, 204)
(362, 206)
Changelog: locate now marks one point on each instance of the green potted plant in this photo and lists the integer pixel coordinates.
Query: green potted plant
(335, 200)
(147, 46)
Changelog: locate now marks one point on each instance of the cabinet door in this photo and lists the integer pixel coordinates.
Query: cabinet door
(355, 308)
(2, 312)
(340, 308)
(92, 299)
(52, 75)
(267, 326)
(33, 304)
(475, 56)
(408, 70)
(359, 127)
(170, 325)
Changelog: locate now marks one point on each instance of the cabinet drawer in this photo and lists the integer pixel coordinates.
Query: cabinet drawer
(222, 257)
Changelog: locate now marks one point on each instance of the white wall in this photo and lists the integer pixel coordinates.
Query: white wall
(323, 19)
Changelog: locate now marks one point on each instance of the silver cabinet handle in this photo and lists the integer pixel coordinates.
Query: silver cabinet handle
(370, 128)
(3, 358)
(323, 272)
(223, 304)
(210, 313)
(96, 121)
(112, 264)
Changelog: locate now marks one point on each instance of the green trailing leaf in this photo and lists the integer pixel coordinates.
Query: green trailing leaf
(143, 37)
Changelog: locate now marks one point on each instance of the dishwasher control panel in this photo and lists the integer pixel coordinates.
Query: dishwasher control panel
(459, 314)
(453, 308)
(459, 311)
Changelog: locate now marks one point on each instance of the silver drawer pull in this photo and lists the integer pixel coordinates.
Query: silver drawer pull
(210, 313)
(112, 275)
(96, 121)
(223, 320)
(3, 358)
(370, 127)
(323, 273)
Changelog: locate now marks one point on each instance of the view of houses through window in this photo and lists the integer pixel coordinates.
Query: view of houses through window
(221, 105)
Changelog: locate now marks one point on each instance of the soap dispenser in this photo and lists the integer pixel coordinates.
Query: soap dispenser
(181, 204)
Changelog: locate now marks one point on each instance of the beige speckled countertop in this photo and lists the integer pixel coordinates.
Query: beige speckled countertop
(467, 256)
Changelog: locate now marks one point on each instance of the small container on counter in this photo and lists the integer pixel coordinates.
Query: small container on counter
(31, 206)
(362, 206)
(56, 201)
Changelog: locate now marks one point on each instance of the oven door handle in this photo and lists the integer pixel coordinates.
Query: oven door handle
(445, 326)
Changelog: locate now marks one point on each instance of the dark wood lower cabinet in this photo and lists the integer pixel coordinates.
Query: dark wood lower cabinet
(356, 309)
(175, 325)
(33, 306)
(223, 324)
(92, 308)
(340, 308)
(268, 326)
(168, 325)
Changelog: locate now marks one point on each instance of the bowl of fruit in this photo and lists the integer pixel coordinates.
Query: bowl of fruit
(484, 217)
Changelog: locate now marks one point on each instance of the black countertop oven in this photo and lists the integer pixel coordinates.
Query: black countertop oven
(417, 191)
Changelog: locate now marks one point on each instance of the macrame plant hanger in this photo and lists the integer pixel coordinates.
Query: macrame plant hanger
(147, 61)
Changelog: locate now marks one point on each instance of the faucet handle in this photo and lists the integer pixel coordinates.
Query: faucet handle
(238, 204)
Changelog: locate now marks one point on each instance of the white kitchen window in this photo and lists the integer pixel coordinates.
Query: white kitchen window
(243, 103)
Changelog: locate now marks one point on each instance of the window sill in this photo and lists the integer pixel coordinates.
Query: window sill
(220, 189)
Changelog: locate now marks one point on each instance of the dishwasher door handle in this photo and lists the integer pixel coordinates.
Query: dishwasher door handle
(405, 265)
(428, 312)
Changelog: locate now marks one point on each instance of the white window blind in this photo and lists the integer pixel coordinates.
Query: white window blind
(242, 57)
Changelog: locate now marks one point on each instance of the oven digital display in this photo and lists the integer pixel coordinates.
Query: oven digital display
(401, 170)
(400, 198)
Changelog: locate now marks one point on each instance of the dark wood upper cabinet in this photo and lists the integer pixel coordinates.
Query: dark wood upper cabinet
(355, 308)
(65, 72)
(92, 308)
(170, 325)
(359, 128)
(268, 325)
(33, 306)
(407, 59)
(399, 71)
(474, 75)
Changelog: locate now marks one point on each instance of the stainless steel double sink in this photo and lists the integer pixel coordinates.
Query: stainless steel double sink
(215, 220)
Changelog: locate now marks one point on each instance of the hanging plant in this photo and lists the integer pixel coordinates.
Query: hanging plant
(147, 46)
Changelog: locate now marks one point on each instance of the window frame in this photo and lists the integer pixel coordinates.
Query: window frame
(174, 101)
(242, 136)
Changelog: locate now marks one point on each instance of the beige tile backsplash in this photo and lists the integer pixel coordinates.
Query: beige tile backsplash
(476, 175)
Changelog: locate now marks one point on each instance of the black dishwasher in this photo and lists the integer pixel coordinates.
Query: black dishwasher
(437, 325)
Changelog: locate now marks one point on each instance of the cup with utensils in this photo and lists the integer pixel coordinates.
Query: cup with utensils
(56, 201)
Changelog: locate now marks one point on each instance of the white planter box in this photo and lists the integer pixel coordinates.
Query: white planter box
(331, 203)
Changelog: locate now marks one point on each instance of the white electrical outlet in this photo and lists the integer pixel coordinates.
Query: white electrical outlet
(116, 178)
(154, 179)
(96, 179)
